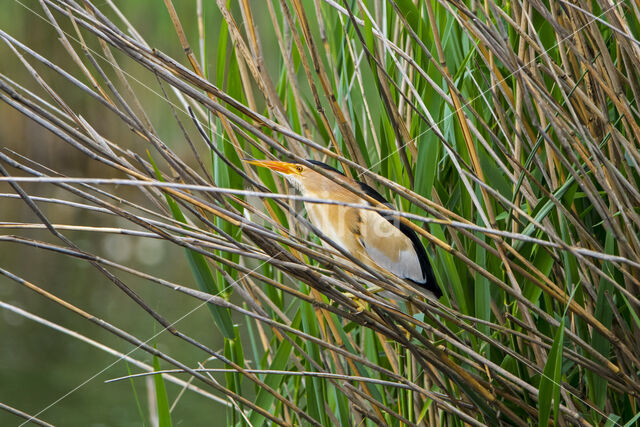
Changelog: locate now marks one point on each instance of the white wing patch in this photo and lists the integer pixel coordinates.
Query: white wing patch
(406, 267)
(388, 247)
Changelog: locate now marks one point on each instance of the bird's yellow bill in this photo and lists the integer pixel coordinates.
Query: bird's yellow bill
(282, 167)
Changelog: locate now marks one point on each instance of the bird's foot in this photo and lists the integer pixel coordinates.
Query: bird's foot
(361, 305)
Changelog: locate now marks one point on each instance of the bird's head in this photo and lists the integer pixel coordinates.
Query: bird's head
(298, 175)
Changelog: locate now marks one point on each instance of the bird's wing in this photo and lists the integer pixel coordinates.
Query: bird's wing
(388, 247)
(418, 268)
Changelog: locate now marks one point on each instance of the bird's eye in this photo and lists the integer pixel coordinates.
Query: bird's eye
(299, 168)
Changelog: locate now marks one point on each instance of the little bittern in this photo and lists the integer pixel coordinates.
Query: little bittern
(369, 236)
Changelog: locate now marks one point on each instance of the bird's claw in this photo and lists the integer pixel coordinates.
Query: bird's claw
(361, 306)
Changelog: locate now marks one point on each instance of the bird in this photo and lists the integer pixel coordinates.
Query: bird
(374, 238)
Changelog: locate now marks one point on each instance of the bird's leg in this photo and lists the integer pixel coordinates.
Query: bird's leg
(374, 289)
(363, 305)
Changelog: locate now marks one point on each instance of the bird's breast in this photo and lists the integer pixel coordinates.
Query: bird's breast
(339, 223)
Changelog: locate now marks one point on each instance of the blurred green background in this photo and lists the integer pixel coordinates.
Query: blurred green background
(48, 371)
